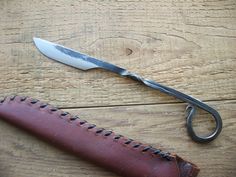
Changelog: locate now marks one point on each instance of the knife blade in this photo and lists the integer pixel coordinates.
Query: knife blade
(73, 58)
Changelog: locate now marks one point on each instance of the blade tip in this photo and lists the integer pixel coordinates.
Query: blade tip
(35, 39)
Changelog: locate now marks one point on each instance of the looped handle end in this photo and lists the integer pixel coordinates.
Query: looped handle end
(203, 139)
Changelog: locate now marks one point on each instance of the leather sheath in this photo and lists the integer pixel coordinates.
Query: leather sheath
(117, 153)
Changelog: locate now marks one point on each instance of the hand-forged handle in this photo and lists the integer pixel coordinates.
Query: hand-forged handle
(84, 62)
(191, 108)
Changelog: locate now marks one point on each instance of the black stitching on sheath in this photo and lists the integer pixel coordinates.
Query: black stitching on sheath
(1, 101)
(74, 118)
(118, 137)
(108, 133)
(34, 101)
(12, 97)
(91, 126)
(157, 151)
(146, 148)
(23, 98)
(100, 130)
(136, 145)
(54, 109)
(165, 155)
(129, 141)
(83, 122)
(64, 113)
(43, 105)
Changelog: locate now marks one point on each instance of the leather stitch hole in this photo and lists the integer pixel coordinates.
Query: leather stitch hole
(167, 156)
(91, 126)
(74, 118)
(43, 106)
(2, 101)
(12, 98)
(53, 109)
(117, 137)
(100, 130)
(23, 98)
(34, 101)
(157, 151)
(64, 114)
(145, 149)
(83, 122)
(108, 133)
(136, 145)
(128, 141)
(162, 154)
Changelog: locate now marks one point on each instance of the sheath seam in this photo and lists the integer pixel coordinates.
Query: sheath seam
(130, 143)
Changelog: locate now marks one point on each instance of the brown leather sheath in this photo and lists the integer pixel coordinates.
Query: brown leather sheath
(119, 154)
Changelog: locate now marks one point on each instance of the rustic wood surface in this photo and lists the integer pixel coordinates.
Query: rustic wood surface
(188, 45)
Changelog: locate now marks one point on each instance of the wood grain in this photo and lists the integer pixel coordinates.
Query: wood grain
(187, 45)
(161, 125)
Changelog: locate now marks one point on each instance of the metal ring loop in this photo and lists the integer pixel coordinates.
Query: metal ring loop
(202, 139)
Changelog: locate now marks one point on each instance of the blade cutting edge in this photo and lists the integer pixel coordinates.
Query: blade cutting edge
(64, 55)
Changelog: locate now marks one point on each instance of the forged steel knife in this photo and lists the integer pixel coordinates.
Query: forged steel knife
(84, 62)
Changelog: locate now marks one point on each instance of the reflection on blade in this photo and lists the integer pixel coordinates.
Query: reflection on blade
(64, 55)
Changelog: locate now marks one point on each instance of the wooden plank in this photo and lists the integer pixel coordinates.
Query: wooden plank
(183, 44)
(188, 45)
(23, 155)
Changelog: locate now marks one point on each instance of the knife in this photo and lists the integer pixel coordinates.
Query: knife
(84, 62)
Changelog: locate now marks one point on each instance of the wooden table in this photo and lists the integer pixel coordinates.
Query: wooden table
(190, 46)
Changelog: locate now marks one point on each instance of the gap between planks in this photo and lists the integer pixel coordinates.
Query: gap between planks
(143, 104)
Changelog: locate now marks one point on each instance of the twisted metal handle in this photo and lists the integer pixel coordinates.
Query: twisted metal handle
(191, 108)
